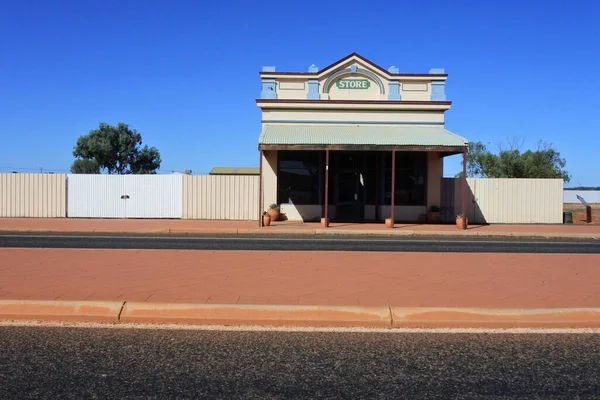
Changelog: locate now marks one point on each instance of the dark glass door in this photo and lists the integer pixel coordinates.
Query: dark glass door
(349, 206)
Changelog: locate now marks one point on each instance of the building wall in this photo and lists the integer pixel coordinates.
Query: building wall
(403, 213)
(292, 89)
(330, 116)
(331, 92)
(295, 212)
(374, 92)
(306, 213)
(223, 197)
(33, 195)
(416, 91)
(298, 88)
(269, 176)
(435, 172)
(319, 86)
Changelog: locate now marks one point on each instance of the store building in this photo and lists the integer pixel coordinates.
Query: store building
(331, 136)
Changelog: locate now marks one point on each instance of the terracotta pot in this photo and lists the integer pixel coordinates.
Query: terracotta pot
(389, 223)
(274, 214)
(324, 222)
(266, 220)
(459, 223)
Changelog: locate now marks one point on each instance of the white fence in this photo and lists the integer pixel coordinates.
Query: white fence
(512, 201)
(125, 196)
(591, 196)
(220, 197)
(32, 196)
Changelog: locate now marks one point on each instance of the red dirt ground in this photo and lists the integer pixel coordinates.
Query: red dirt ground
(318, 278)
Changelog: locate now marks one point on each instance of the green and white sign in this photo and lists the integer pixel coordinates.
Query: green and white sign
(353, 84)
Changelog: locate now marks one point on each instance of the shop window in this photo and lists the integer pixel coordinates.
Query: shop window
(298, 177)
(411, 177)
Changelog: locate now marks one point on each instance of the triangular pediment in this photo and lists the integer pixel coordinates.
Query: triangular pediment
(354, 59)
(353, 78)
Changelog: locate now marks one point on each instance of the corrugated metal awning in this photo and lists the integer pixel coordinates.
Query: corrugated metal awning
(357, 136)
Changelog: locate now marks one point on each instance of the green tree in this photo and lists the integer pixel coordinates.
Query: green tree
(85, 166)
(544, 162)
(116, 150)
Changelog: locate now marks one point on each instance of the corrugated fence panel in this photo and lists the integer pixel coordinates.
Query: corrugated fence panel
(225, 197)
(33, 196)
(512, 201)
(591, 196)
(148, 196)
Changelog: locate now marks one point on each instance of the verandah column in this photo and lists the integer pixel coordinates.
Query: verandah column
(392, 205)
(464, 191)
(260, 177)
(326, 222)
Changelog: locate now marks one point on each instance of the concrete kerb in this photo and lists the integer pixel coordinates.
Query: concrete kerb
(312, 316)
(432, 317)
(322, 232)
(191, 231)
(161, 230)
(276, 231)
(216, 314)
(80, 311)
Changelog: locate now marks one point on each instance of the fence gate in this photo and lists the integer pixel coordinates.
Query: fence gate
(447, 213)
(124, 196)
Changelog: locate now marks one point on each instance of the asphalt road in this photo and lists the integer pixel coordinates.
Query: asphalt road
(305, 243)
(82, 363)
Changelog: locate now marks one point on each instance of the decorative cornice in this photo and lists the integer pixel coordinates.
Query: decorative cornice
(327, 69)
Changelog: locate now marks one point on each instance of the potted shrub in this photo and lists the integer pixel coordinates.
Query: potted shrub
(459, 221)
(273, 212)
(433, 216)
(266, 219)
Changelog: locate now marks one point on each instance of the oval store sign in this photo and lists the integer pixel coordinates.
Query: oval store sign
(353, 84)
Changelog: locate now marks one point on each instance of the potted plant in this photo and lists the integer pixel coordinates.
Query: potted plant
(459, 221)
(266, 219)
(273, 212)
(433, 216)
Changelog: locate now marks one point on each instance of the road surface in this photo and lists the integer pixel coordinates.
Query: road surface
(299, 243)
(80, 363)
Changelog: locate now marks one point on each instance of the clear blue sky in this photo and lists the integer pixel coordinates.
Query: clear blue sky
(185, 73)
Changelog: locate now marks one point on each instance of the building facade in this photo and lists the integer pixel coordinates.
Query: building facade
(347, 141)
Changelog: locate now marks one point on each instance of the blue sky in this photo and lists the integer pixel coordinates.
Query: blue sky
(185, 73)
